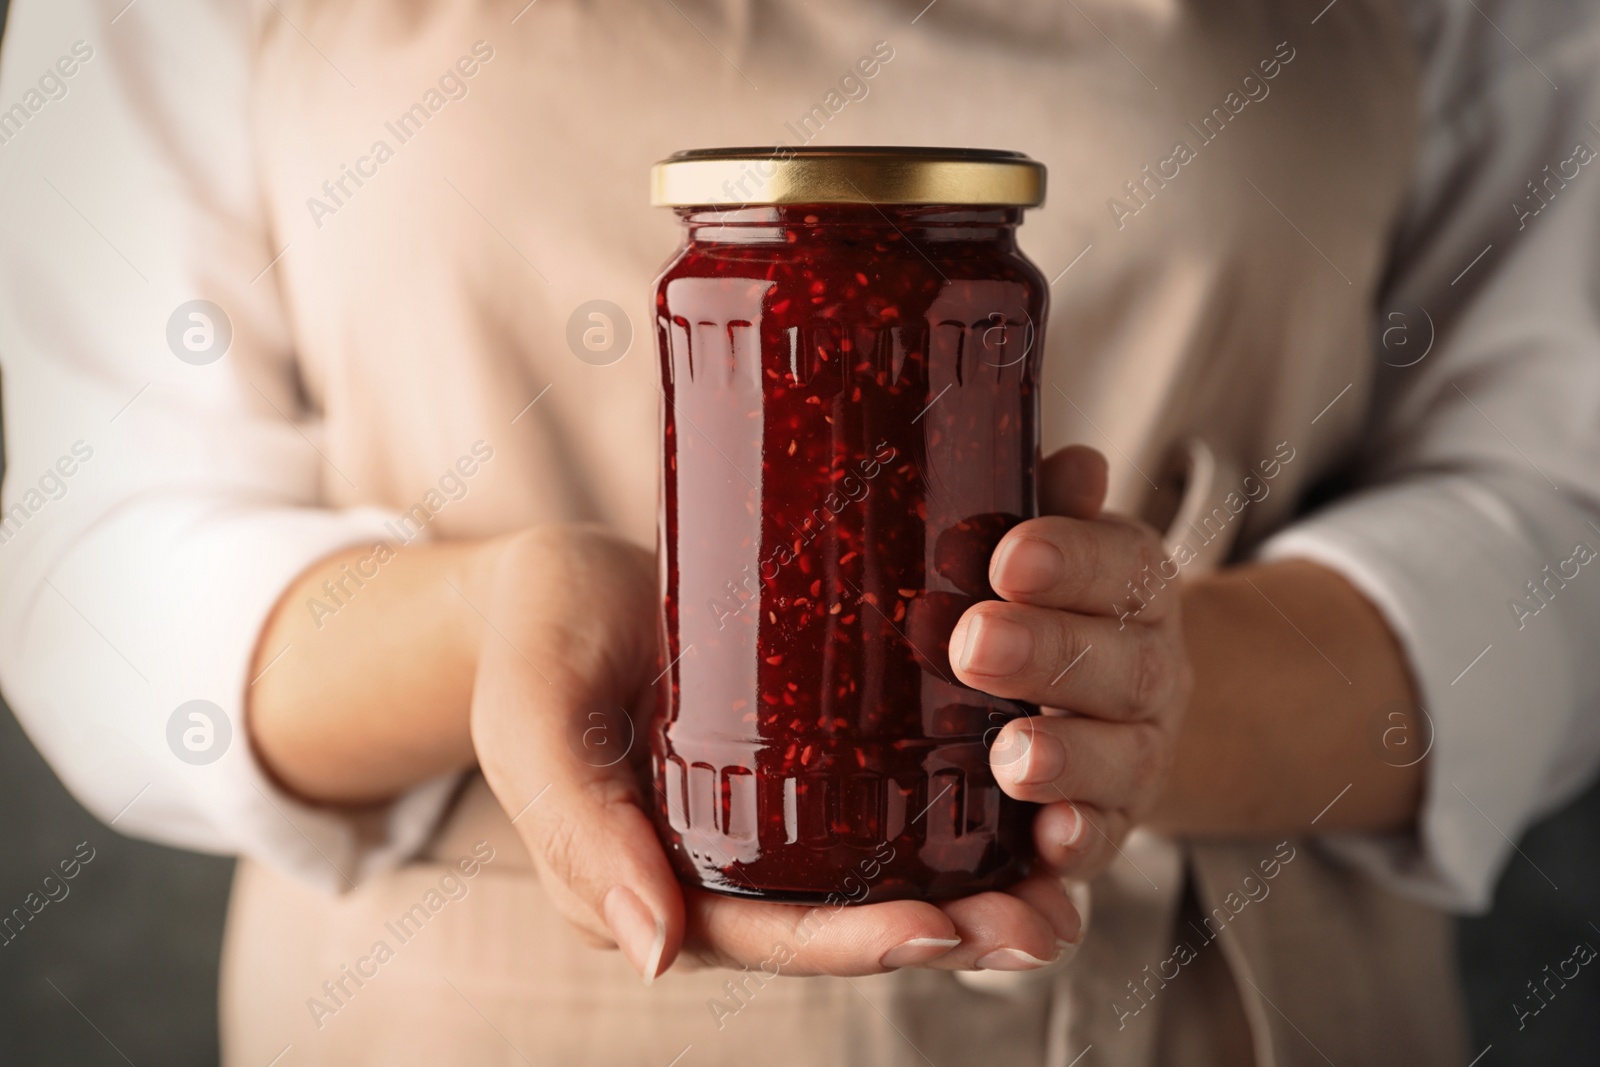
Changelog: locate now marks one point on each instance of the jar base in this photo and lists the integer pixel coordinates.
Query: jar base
(878, 893)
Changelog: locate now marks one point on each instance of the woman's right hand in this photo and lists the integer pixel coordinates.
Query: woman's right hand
(567, 666)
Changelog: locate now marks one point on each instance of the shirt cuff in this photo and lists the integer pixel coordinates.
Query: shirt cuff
(178, 596)
(335, 849)
(1445, 561)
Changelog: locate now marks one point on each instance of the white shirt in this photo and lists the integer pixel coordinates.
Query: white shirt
(1481, 466)
(138, 570)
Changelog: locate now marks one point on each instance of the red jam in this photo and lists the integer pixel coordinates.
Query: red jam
(850, 425)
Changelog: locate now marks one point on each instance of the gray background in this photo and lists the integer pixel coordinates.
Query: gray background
(124, 969)
(134, 944)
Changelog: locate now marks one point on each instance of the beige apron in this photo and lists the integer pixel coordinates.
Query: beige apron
(1222, 180)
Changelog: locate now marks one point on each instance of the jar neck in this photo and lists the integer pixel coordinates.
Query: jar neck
(831, 223)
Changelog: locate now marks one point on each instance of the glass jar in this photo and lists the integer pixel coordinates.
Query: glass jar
(849, 343)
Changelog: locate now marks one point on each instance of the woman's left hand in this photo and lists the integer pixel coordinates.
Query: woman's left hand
(1089, 629)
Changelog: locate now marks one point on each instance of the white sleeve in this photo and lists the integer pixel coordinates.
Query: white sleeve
(1476, 527)
(155, 507)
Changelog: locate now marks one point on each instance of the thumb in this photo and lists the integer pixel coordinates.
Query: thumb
(1072, 482)
(571, 655)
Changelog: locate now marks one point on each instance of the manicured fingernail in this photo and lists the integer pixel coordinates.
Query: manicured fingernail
(1011, 959)
(1028, 565)
(995, 646)
(1079, 824)
(1042, 760)
(641, 935)
(1010, 750)
(918, 950)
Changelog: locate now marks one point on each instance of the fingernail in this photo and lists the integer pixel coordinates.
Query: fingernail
(1011, 959)
(995, 646)
(1028, 565)
(1042, 761)
(1079, 824)
(641, 935)
(1066, 950)
(1010, 750)
(918, 950)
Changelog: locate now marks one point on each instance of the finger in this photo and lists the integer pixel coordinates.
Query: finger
(1006, 931)
(1072, 482)
(587, 652)
(1047, 896)
(1111, 566)
(796, 940)
(1087, 664)
(1042, 759)
(624, 890)
(1078, 840)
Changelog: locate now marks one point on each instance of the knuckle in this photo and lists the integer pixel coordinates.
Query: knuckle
(565, 845)
(1147, 551)
(570, 835)
(553, 856)
(561, 843)
(1070, 645)
(1139, 550)
(1152, 759)
(1080, 550)
(1154, 673)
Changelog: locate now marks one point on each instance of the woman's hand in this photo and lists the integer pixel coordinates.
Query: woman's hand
(571, 648)
(1089, 631)
(500, 650)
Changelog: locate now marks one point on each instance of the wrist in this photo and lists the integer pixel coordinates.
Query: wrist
(375, 698)
(1291, 665)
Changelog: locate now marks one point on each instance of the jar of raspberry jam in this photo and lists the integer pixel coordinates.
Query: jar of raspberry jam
(849, 343)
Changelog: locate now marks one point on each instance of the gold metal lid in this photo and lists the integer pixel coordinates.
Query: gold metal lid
(712, 177)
